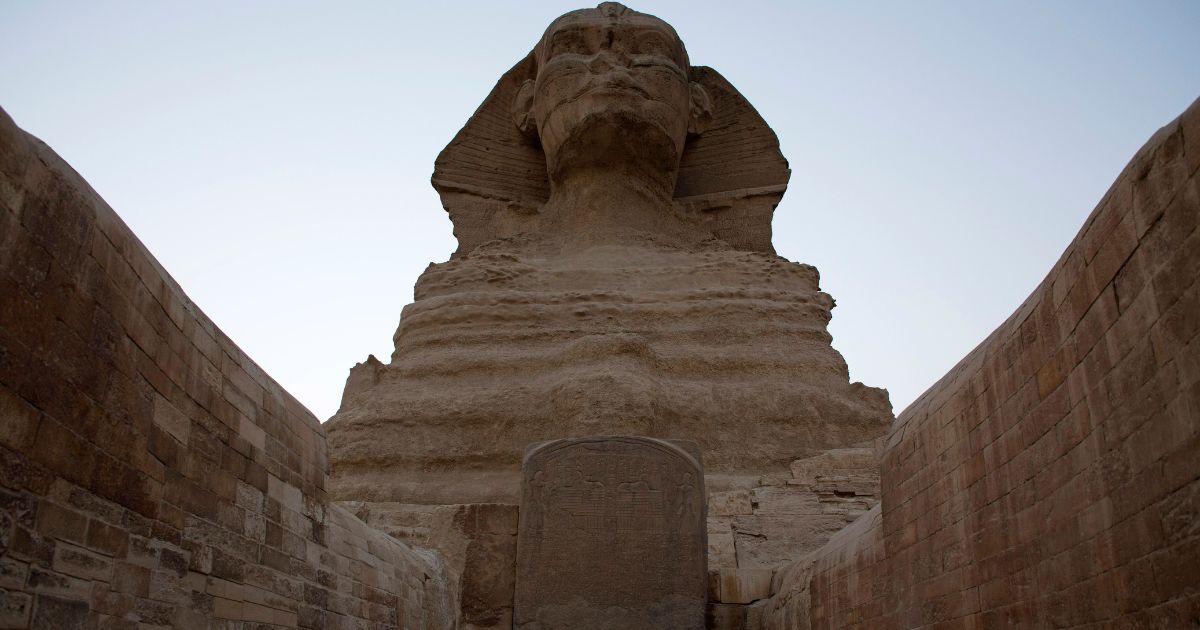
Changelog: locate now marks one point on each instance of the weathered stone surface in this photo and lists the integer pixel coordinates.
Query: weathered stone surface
(56, 614)
(479, 545)
(730, 503)
(769, 541)
(407, 522)
(611, 535)
(614, 275)
(15, 608)
(742, 586)
(721, 549)
(772, 520)
(859, 462)
(725, 617)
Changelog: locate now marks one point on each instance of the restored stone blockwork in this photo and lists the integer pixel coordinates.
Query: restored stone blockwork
(150, 473)
(1052, 478)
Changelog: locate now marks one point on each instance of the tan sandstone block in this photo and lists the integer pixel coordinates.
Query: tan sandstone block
(59, 522)
(252, 433)
(480, 544)
(131, 579)
(15, 609)
(730, 503)
(285, 493)
(168, 587)
(81, 563)
(20, 421)
(171, 420)
(742, 586)
(56, 613)
(720, 616)
(286, 619)
(46, 582)
(756, 613)
(721, 549)
(12, 573)
(256, 612)
(841, 461)
(227, 608)
(771, 541)
(786, 500)
(105, 538)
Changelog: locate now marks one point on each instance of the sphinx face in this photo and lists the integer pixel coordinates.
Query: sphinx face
(611, 90)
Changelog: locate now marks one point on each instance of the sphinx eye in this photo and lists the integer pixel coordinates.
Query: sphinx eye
(652, 43)
(568, 43)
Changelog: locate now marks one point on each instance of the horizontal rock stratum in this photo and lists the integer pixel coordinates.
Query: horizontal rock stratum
(614, 276)
(724, 347)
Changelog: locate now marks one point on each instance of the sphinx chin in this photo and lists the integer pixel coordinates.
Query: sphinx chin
(623, 136)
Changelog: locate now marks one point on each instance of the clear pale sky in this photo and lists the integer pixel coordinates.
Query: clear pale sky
(275, 156)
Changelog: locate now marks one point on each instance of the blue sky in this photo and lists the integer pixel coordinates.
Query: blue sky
(275, 156)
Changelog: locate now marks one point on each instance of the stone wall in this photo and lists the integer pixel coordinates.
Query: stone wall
(1052, 478)
(151, 475)
(782, 517)
(757, 530)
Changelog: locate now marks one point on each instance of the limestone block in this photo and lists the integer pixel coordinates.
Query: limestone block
(836, 462)
(725, 616)
(52, 612)
(786, 500)
(742, 586)
(754, 614)
(847, 485)
(479, 545)
(730, 503)
(171, 420)
(407, 523)
(46, 582)
(14, 609)
(721, 550)
(772, 541)
(56, 521)
(81, 563)
(12, 573)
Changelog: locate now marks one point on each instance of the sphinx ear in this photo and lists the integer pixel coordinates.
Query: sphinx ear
(522, 109)
(700, 116)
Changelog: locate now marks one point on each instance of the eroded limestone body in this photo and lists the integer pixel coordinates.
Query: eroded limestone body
(614, 275)
(724, 347)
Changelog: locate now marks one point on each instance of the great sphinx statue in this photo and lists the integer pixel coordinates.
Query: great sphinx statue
(614, 275)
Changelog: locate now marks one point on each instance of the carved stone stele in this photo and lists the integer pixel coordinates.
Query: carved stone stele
(611, 535)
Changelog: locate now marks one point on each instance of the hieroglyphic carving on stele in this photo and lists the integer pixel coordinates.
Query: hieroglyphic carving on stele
(611, 535)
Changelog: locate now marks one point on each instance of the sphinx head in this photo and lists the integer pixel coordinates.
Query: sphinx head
(604, 123)
(612, 89)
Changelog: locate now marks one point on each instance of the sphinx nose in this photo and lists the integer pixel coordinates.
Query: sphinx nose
(605, 61)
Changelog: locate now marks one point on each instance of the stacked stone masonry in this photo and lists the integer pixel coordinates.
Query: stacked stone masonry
(753, 531)
(1052, 478)
(784, 517)
(151, 475)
